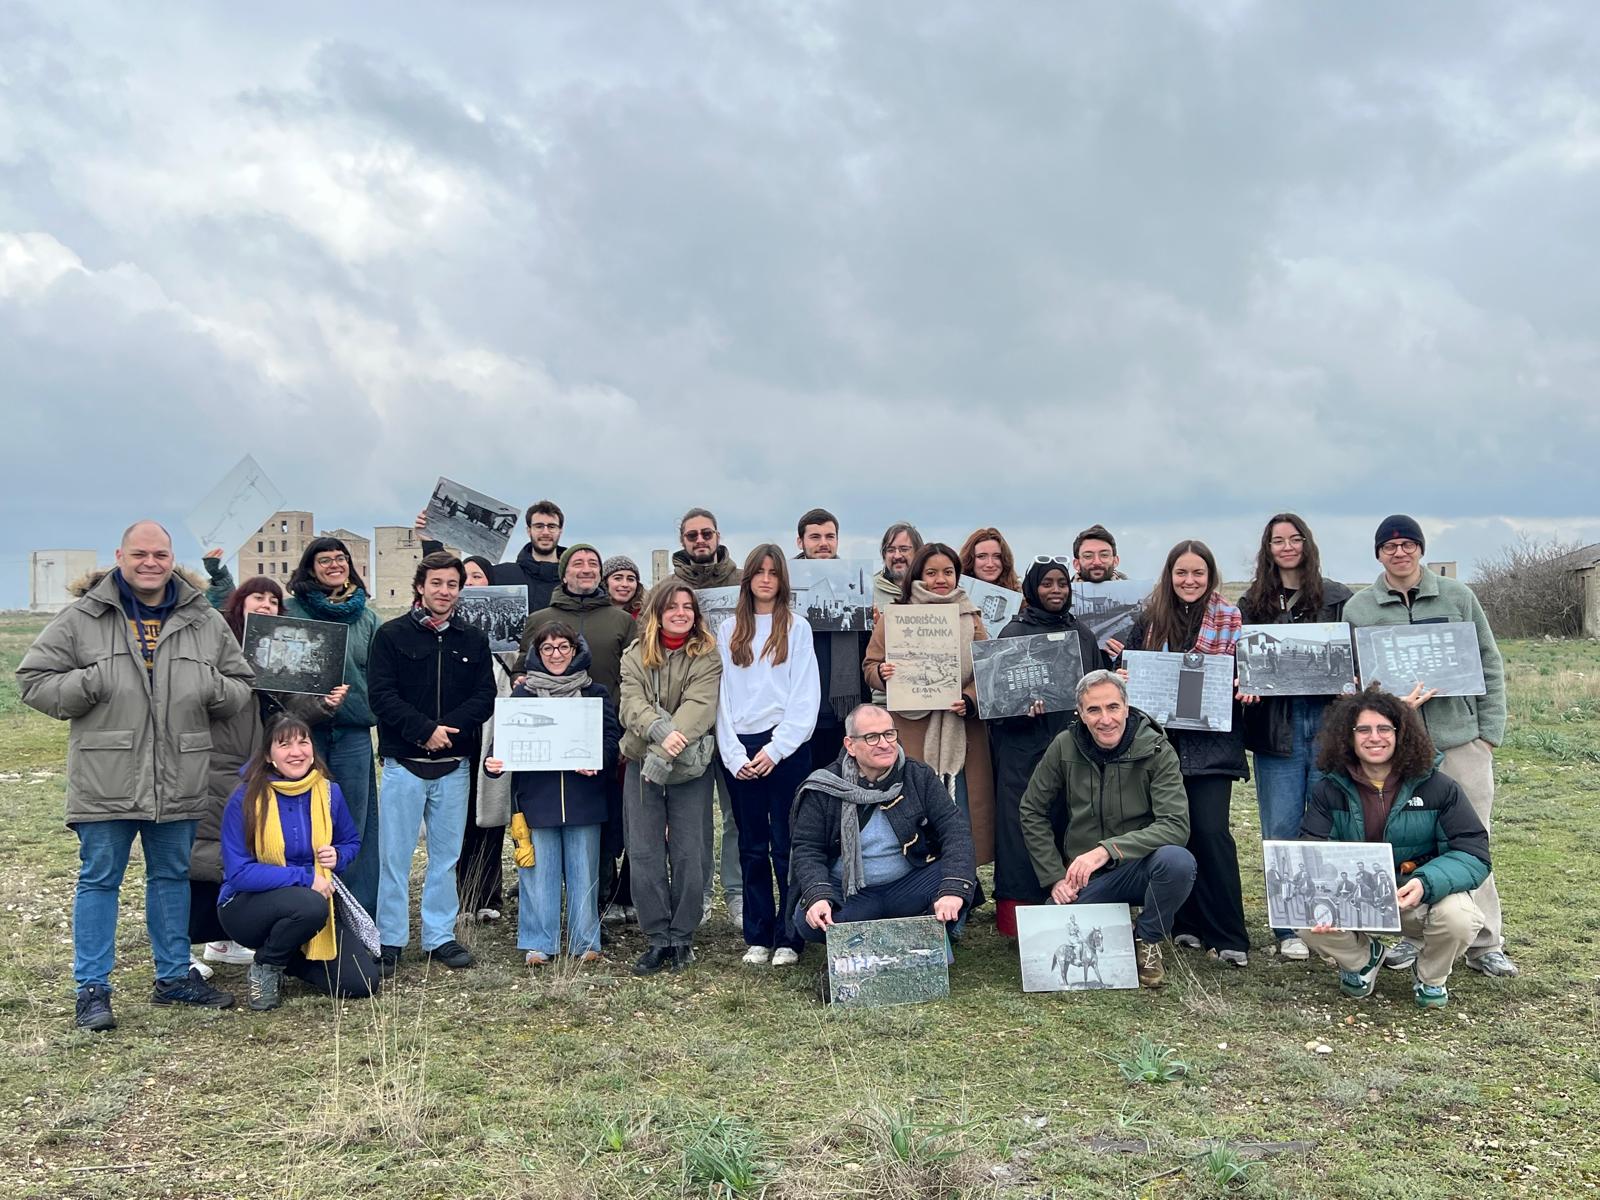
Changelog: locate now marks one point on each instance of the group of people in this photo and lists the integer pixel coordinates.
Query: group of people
(267, 838)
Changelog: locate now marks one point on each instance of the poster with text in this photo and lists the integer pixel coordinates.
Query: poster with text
(923, 641)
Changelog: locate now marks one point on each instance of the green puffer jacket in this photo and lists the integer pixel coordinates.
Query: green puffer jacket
(1131, 807)
(356, 711)
(139, 744)
(1451, 720)
(1431, 823)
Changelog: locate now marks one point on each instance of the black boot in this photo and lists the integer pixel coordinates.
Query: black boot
(655, 959)
(682, 956)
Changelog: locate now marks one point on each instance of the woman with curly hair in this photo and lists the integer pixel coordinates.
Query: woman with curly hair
(1380, 784)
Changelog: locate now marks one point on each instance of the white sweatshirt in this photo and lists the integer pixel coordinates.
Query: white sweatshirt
(754, 699)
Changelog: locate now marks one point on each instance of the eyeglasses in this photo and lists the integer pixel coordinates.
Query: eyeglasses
(544, 526)
(1059, 559)
(329, 560)
(1282, 543)
(1383, 731)
(558, 649)
(1096, 555)
(1404, 546)
(886, 737)
(699, 535)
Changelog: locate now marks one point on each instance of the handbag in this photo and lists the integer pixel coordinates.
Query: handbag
(348, 911)
(693, 760)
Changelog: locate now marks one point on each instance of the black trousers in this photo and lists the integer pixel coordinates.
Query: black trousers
(276, 924)
(478, 871)
(203, 923)
(615, 885)
(1214, 912)
(826, 742)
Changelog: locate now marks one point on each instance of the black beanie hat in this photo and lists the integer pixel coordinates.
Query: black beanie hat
(1397, 527)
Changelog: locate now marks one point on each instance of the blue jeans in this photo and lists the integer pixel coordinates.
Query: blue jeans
(347, 749)
(407, 802)
(103, 848)
(761, 811)
(1283, 781)
(912, 895)
(572, 852)
(1160, 882)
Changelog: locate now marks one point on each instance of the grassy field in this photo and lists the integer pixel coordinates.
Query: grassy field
(728, 1080)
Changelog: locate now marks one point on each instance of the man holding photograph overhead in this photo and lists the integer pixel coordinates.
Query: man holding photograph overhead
(1466, 729)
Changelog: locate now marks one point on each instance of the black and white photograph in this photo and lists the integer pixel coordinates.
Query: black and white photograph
(469, 521)
(1349, 885)
(996, 605)
(1110, 609)
(239, 505)
(1443, 656)
(717, 604)
(1010, 674)
(1296, 660)
(1076, 947)
(1182, 691)
(834, 595)
(291, 654)
(499, 610)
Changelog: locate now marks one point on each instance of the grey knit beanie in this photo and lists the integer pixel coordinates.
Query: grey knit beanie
(619, 562)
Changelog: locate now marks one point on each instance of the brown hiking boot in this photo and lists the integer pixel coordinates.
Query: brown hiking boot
(1152, 973)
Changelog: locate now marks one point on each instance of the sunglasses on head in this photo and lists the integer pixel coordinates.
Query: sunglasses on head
(1061, 560)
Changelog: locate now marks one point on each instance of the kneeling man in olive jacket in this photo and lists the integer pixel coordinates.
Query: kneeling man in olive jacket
(1106, 819)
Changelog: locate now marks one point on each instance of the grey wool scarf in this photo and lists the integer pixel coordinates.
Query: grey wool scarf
(851, 795)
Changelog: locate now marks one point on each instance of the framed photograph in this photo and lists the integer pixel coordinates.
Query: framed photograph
(499, 610)
(996, 605)
(834, 595)
(1009, 674)
(923, 641)
(901, 960)
(1076, 947)
(469, 520)
(1441, 655)
(1182, 691)
(1110, 609)
(292, 654)
(539, 733)
(1296, 660)
(235, 508)
(1349, 885)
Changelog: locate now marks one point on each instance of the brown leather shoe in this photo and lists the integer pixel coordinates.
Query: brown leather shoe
(1152, 971)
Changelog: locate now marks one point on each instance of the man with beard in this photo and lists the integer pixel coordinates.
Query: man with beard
(1094, 555)
(898, 546)
(704, 563)
(538, 562)
(838, 654)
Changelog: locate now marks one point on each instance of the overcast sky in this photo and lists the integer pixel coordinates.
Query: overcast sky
(1172, 267)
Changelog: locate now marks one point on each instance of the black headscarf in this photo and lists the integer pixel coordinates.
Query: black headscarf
(1035, 614)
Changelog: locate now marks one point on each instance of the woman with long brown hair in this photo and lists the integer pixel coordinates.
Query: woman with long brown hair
(1288, 588)
(986, 556)
(766, 711)
(285, 834)
(952, 741)
(670, 682)
(1185, 613)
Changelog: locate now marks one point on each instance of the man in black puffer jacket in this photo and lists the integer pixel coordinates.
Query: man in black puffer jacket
(876, 835)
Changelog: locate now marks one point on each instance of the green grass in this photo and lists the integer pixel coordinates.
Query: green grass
(730, 1081)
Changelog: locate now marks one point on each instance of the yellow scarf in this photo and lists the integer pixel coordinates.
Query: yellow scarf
(270, 849)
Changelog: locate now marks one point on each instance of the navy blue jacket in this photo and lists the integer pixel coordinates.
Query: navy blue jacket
(243, 872)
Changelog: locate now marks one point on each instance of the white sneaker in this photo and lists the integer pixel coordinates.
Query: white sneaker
(757, 955)
(196, 965)
(735, 904)
(705, 912)
(486, 915)
(1187, 940)
(231, 953)
(784, 957)
(1294, 949)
